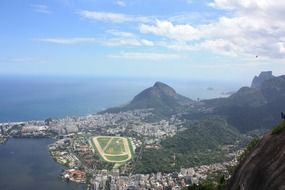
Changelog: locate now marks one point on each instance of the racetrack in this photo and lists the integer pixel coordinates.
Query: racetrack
(114, 150)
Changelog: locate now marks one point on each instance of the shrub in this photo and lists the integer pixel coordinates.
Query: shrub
(278, 128)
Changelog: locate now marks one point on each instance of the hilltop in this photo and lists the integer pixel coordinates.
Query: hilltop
(162, 98)
(159, 96)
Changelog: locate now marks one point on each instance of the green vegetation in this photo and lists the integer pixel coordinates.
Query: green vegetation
(116, 146)
(278, 128)
(101, 164)
(218, 184)
(88, 178)
(98, 160)
(199, 144)
(117, 158)
(207, 134)
(131, 147)
(163, 160)
(112, 149)
(103, 141)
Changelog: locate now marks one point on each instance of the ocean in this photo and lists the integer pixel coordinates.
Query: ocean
(38, 98)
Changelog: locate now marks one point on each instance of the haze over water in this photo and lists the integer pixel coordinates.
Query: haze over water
(33, 98)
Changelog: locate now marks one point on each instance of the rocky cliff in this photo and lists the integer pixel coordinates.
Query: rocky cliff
(264, 168)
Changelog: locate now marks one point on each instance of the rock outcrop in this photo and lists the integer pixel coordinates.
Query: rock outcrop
(264, 168)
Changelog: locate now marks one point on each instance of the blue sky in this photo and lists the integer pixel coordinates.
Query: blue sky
(193, 39)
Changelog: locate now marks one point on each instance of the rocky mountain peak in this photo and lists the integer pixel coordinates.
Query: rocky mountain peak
(258, 80)
(164, 88)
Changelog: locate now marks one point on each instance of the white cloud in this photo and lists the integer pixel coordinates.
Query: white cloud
(181, 32)
(263, 9)
(281, 47)
(255, 27)
(254, 5)
(40, 8)
(148, 56)
(105, 16)
(68, 41)
(120, 33)
(112, 17)
(126, 42)
(113, 38)
(221, 46)
(121, 3)
(119, 38)
(147, 42)
(218, 46)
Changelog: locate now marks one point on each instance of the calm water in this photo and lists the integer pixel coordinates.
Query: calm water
(25, 164)
(34, 98)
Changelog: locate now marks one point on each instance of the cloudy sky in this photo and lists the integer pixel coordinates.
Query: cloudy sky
(194, 39)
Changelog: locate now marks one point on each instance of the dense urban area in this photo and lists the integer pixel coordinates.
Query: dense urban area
(72, 149)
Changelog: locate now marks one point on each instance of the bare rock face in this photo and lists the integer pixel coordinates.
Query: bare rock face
(258, 80)
(264, 168)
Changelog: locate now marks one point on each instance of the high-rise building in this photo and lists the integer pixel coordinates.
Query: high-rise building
(2, 130)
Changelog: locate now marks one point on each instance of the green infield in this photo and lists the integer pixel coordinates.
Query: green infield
(112, 148)
(103, 141)
(116, 146)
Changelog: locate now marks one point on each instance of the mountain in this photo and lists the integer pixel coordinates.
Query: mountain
(245, 96)
(258, 80)
(248, 109)
(264, 167)
(160, 97)
(253, 108)
(273, 89)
